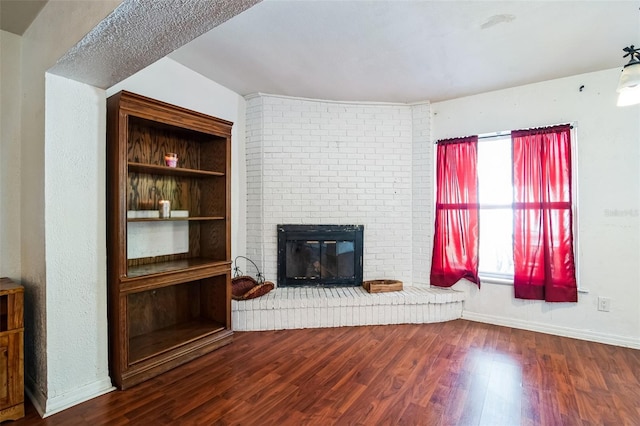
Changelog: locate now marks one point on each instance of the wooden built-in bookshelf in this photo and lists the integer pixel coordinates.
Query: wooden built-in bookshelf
(165, 309)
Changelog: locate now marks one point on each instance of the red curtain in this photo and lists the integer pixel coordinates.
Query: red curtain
(455, 245)
(544, 267)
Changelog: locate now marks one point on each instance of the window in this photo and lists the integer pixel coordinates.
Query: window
(504, 209)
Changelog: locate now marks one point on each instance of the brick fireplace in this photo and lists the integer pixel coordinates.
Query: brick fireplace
(317, 162)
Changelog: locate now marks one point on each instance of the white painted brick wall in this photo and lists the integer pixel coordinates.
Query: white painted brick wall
(324, 162)
(422, 193)
(254, 170)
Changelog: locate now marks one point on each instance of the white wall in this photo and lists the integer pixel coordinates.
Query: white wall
(59, 25)
(325, 162)
(75, 127)
(10, 100)
(171, 82)
(608, 141)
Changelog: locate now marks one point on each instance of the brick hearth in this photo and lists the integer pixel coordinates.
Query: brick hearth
(287, 308)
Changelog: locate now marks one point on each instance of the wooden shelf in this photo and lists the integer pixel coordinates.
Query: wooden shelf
(175, 219)
(175, 171)
(171, 266)
(151, 344)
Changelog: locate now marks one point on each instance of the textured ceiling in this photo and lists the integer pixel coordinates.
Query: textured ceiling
(406, 51)
(138, 33)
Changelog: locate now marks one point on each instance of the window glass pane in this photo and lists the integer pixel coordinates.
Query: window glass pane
(494, 171)
(495, 194)
(496, 242)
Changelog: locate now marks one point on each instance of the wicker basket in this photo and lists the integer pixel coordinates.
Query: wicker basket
(245, 287)
(241, 285)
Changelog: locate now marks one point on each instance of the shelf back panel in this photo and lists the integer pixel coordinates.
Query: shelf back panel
(149, 141)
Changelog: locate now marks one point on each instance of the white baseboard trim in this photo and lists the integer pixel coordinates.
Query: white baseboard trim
(49, 406)
(592, 336)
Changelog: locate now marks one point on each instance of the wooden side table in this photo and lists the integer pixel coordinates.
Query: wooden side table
(11, 350)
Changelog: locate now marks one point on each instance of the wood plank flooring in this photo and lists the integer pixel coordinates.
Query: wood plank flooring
(453, 373)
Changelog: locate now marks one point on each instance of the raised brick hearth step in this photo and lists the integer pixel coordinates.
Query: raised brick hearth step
(286, 308)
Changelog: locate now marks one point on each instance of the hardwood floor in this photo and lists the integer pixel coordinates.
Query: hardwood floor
(453, 373)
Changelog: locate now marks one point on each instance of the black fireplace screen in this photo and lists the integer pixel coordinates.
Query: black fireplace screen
(320, 255)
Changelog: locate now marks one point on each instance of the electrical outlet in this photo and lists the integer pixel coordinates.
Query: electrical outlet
(604, 304)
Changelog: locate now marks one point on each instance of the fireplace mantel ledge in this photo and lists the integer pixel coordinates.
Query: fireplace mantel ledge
(311, 307)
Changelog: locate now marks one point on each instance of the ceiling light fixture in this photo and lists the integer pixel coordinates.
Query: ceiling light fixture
(629, 85)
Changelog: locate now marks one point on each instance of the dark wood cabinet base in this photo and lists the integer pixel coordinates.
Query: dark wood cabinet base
(163, 363)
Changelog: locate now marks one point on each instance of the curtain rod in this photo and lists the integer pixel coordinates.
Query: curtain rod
(508, 132)
(493, 135)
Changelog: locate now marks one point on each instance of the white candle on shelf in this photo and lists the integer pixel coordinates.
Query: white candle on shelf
(164, 209)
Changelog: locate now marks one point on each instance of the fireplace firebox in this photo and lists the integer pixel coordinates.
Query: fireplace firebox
(320, 255)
